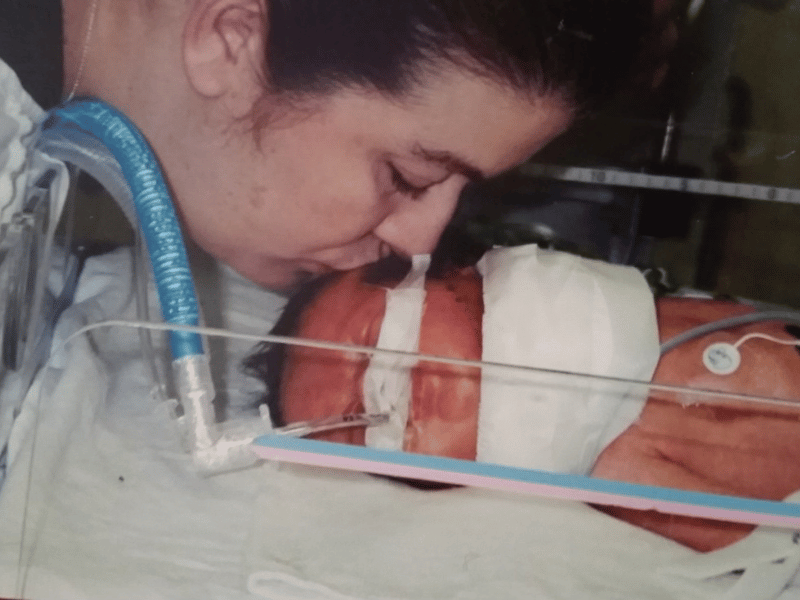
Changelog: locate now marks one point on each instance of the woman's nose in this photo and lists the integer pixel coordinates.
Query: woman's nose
(415, 226)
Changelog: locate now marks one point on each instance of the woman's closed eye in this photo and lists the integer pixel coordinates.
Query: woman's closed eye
(405, 187)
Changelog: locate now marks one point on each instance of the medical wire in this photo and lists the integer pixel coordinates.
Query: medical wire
(785, 316)
(764, 336)
(306, 428)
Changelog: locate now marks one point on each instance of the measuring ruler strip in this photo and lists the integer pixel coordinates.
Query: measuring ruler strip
(709, 187)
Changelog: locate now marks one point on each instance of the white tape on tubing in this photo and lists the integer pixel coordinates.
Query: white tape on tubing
(387, 380)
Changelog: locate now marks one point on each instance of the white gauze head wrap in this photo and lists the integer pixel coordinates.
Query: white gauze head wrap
(557, 311)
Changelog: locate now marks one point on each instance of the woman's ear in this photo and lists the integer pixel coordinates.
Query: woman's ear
(223, 50)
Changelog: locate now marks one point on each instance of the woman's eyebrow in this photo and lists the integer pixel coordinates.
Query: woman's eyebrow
(451, 162)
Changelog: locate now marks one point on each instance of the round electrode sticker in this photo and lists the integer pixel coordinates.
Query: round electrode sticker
(722, 358)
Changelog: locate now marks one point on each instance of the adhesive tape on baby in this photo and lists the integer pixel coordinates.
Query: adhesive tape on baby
(387, 380)
(557, 311)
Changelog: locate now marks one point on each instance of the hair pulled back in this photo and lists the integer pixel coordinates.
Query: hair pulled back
(579, 49)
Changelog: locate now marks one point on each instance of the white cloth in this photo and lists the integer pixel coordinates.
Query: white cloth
(553, 310)
(336, 535)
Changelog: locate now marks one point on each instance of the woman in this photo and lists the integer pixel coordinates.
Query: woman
(304, 136)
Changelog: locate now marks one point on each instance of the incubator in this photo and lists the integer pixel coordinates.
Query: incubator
(139, 459)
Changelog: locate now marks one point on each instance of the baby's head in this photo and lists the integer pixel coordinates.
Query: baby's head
(309, 383)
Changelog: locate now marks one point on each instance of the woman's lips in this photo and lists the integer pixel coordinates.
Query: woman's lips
(362, 252)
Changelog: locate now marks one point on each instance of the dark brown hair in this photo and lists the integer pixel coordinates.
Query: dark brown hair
(580, 49)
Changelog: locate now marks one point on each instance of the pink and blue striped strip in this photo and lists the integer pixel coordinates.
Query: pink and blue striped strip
(564, 486)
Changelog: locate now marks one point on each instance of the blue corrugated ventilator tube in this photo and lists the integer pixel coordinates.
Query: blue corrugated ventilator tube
(157, 220)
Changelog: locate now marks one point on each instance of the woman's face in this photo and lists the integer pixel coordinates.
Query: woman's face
(355, 176)
(443, 412)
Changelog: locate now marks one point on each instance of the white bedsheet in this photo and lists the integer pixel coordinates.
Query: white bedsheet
(112, 509)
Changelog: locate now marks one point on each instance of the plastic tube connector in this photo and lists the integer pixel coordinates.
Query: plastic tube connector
(196, 394)
(214, 448)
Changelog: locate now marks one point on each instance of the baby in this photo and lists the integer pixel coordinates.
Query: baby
(735, 449)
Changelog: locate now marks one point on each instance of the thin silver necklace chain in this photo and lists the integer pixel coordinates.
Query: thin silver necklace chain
(85, 50)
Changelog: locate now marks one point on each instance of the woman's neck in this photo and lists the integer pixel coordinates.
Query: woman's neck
(108, 46)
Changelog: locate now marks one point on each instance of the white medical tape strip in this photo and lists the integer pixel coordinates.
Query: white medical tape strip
(387, 380)
(557, 311)
(689, 185)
